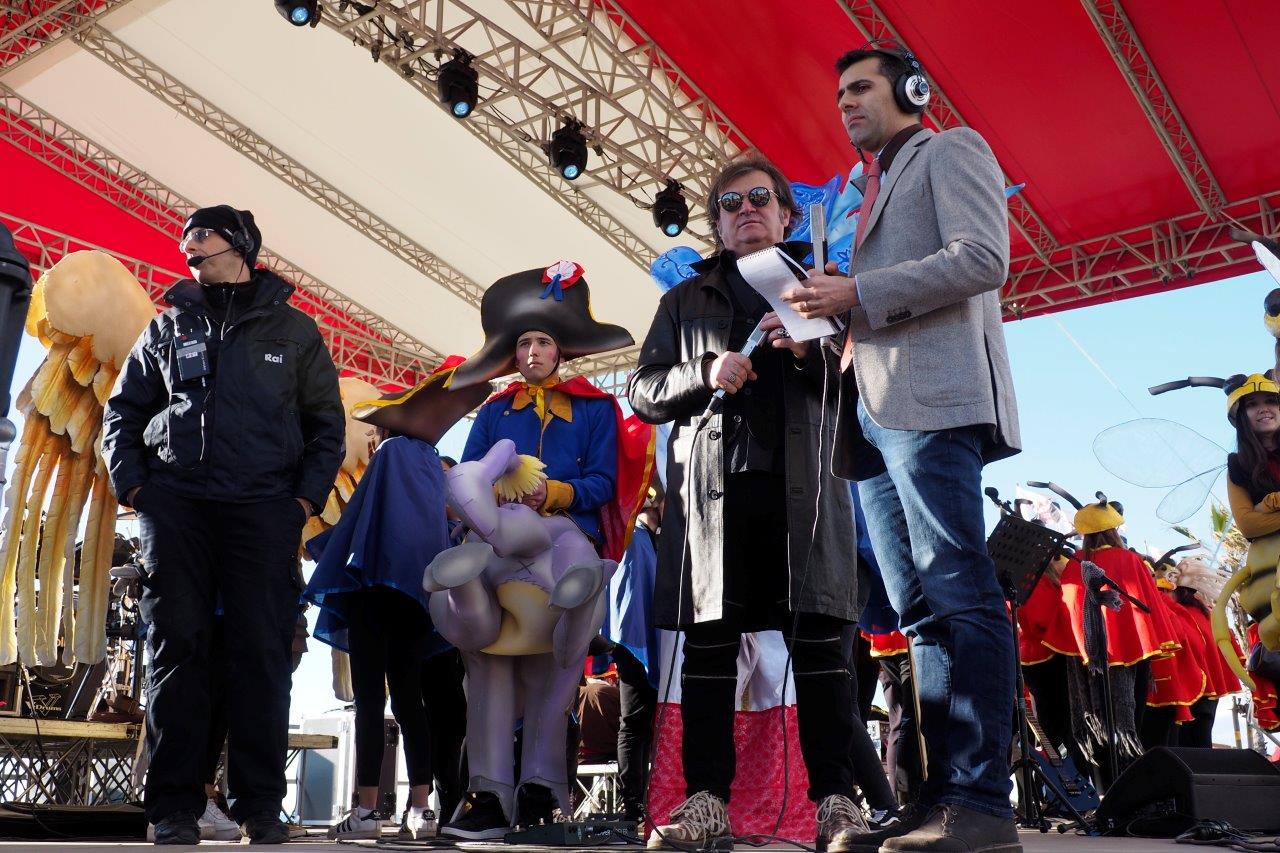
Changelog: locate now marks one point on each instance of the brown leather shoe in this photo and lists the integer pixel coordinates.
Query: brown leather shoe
(839, 821)
(955, 829)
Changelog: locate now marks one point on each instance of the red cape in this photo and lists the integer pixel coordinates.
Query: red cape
(635, 466)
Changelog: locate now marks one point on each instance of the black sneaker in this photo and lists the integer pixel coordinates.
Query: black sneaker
(482, 820)
(265, 828)
(908, 819)
(535, 804)
(178, 828)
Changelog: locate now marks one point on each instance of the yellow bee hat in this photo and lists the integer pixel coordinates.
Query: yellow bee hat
(1235, 387)
(1254, 383)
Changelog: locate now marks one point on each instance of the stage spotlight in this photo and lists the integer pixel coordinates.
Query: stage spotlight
(670, 210)
(568, 150)
(300, 13)
(458, 84)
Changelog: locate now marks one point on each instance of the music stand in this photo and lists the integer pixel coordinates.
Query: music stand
(1022, 551)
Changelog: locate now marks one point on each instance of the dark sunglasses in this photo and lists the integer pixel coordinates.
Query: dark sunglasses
(758, 196)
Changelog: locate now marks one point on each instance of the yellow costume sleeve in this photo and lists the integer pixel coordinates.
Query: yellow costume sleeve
(559, 496)
(1251, 522)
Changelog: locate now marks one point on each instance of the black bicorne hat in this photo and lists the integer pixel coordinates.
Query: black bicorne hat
(555, 300)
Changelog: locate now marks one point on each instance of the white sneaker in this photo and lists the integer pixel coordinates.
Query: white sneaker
(696, 821)
(417, 824)
(354, 826)
(215, 825)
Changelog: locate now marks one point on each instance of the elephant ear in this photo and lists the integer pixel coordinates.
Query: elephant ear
(579, 624)
(87, 310)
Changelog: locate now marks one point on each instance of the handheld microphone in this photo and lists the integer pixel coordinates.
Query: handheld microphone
(196, 260)
(757, 336)
(818, 234)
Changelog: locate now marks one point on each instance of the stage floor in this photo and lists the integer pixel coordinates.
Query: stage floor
(1032, 841)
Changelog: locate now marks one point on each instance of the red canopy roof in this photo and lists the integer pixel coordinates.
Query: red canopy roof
(1144, 133)
(1039, 82)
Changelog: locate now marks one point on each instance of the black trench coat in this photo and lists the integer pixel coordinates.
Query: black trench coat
(692, 320)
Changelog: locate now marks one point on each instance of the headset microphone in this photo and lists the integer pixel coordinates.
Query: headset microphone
(196, 260)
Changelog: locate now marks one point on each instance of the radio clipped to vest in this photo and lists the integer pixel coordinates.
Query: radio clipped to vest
(192, 348)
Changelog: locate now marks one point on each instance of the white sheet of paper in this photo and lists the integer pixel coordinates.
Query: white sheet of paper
(771, 273)
(1269, 261)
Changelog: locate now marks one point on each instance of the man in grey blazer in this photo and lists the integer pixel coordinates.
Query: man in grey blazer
(934, 404)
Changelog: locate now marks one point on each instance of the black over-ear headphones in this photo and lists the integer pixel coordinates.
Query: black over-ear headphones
(910, 88)
(242, 241)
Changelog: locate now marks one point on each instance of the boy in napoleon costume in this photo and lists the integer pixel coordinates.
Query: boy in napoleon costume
(596, 471)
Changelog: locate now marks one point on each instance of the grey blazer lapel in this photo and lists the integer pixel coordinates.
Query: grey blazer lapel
(899, 166)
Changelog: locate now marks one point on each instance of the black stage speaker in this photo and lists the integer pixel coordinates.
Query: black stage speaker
(1168, 789)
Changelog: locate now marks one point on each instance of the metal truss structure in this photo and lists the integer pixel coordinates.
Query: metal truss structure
(67, 763)
(46, 247)
(645, 118)
(362, 343)
(524, 98)
(243, 139)
(608, 49)
(1126, 49)
(1054, 276)
(27, 28)
(1155, 255)
(642, 141)
(874, 26)
(608, 371)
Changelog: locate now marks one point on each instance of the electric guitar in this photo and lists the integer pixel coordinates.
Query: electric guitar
(1058, 766)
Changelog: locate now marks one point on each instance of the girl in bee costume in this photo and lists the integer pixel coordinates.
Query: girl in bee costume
(1253, 490)
(1134, 637)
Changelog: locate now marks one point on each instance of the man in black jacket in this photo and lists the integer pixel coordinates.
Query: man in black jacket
(224, 432)
(757, 533)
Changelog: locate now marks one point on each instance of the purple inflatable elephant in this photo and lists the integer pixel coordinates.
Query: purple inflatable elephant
(521, 598)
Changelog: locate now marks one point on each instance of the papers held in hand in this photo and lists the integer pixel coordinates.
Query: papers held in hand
(772, 273)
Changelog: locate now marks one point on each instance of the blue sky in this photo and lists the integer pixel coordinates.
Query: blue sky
(1067, 393)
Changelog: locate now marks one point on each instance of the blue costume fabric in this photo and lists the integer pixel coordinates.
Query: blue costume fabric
(626, 621)
(393, 526)
(878, 617)
(582, 452)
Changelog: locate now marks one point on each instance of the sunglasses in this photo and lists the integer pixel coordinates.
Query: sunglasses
(195, 235)
(758, 196)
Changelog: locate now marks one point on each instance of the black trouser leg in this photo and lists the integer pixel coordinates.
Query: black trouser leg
(446, 706)
(218, 711)
(1157, 726)
(179, 593)
(386, 634)
(1199, 732)
(638, 699)
(260, 589)
(868, 772)
(824, 704)
(865, 669)
(407, 638)
(903, 758)
(708, 686)
(1141, 683)
(367, 647)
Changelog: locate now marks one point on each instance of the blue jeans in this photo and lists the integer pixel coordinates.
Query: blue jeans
(924, 515)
